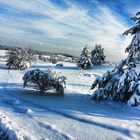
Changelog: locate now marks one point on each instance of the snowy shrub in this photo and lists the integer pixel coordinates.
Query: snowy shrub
(123, 83)
(84, 61)
(97, 55)
(53, 60)
(20, 58)
(44, 80)
(42, 58)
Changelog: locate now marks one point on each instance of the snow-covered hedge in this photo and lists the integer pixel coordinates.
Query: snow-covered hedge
(123, 83)
(20, 58)
(45, 80)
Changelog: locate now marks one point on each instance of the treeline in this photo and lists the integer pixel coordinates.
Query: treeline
(5, 47)
(88, 59)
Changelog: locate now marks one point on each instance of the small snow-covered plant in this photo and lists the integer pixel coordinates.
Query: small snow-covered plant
(97, 55)
(84, 61)
(53, 59)
(123, 82)
(44, 80)
(20, 58)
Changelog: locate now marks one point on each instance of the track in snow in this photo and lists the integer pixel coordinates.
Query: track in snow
(53, 132)
(78, 116)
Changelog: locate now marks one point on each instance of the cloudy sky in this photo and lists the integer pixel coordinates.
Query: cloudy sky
(67, 25)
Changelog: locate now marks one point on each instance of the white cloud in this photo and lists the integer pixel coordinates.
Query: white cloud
(67, 29)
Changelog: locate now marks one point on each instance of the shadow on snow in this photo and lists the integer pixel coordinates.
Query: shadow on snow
(74, 105)
(56, 67)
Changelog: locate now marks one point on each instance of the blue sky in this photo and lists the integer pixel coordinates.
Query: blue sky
(67, 25)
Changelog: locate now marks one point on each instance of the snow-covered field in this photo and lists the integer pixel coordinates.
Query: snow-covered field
(24, 114)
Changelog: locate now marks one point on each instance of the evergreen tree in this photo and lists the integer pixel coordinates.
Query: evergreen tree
(85, 59)
(123, 83)
(97, 55)
(20, 58)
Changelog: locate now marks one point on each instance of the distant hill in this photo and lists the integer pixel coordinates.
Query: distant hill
(4, 47)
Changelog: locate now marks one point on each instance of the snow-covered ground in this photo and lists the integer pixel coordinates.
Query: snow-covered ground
(24, 114)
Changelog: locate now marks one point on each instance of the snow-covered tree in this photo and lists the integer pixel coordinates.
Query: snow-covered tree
(45, 80)
(85, 59)
(123, 83)
(20, 58)
(53, 59)
(97, 55)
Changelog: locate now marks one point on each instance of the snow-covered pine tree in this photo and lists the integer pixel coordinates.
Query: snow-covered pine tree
(85, 59)
(20, 58)
(97, 55)
(123, 83)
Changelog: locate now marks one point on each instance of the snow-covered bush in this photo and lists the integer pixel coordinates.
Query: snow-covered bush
(53, 59)
(44, 80)
(20, 58)
(123, 83)
(42, 58)
(84, 61)
(97, 55)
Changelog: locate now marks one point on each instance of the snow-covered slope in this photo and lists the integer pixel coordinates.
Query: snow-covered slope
(24, 114)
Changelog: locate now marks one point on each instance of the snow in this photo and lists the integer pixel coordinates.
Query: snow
(134, 99)
(24, 114)
(7, 131)
(2, 52)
